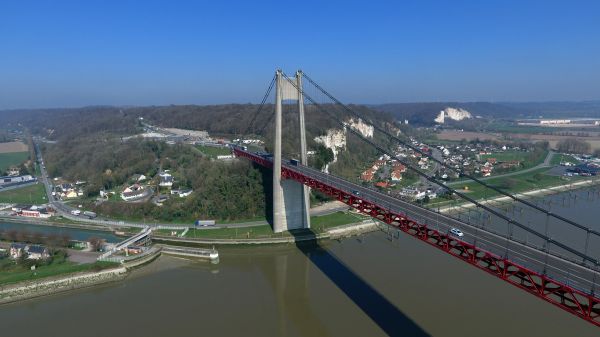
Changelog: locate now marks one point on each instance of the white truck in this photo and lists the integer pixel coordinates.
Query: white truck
(76, 212)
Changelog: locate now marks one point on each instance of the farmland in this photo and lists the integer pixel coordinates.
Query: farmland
(456, 135)
(9, 159)
(11, 147)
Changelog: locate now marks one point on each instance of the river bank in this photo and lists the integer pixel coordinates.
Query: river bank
(62, 283)
(337, 232)
(54, 285)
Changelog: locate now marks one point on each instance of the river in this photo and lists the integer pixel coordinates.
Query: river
(357, 287)
(73, 233)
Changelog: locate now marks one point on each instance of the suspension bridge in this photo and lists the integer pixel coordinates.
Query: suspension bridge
(561, 272)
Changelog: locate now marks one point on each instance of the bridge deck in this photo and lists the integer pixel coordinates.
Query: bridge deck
(556, 279)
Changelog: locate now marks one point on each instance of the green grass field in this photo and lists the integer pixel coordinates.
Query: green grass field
(14, 158)
(558, 158)
(33, 194)
(18, 274)
(522, 156)
(318, 225)
(532, 180)
(213, 151)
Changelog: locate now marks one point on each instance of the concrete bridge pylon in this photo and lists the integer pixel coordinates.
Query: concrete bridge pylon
(290, 198)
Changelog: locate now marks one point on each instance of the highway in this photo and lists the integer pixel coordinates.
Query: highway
(557, 268)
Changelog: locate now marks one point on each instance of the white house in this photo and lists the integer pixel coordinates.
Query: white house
(166, 179)
(182, 193)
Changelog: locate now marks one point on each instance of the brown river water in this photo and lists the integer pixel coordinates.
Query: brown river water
(366, 286)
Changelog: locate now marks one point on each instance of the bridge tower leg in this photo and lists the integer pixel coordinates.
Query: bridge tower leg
(290, 198)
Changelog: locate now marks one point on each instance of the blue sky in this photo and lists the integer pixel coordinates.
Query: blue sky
(75, 53)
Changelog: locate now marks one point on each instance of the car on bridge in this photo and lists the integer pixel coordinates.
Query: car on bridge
(457, 232)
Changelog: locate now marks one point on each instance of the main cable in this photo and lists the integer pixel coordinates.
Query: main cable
(260, 107)
(449, 189)
(460, 172)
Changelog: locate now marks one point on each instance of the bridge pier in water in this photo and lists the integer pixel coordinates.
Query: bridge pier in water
(290, 198)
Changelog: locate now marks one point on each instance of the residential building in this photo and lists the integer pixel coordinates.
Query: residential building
(166, 179)
(135, 192)
(37, 252)
(139, 177)
(396, 175)
(397, 166)
(182, 193)
(17, 250)
(382, 184)
(13, 171)
(35, 211)
(367, 175)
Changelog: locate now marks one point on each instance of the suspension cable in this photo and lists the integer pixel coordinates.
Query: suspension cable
(459, 171)
(435, 181)
(260, 107)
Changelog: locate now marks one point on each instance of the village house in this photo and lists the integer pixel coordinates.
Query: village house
(139, 177)
(13, 171)
(166, 179)
(17, 250)
(182, 193)
(396, 175)
(68, 191)
(32, 252)
(380, 162)
(134, 192)
(367, 175)
(37, 252)
(159, 199)
(382, 184)
(397, 166)
(486, 171)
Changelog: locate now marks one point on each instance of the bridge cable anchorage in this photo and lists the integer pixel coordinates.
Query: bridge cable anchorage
(435, 181)
(459, 171)
(260, 107)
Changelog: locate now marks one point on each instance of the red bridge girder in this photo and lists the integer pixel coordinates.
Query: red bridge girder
(585, 306)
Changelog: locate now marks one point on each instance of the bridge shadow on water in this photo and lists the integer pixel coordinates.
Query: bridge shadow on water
(385, 314)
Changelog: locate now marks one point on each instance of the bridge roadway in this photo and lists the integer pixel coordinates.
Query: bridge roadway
(558, 268)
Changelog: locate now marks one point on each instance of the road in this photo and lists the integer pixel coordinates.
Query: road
(558, 268)
(545, 163)
(437, 154)
(14, 187)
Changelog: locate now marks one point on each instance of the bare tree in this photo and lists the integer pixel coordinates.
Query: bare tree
(64, 240)
(52, 240)
(96, 243)
(37, 237)
(23, 236)
(12, 235)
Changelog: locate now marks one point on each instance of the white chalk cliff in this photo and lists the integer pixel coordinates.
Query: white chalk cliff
(452, 113)
(335, 139)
